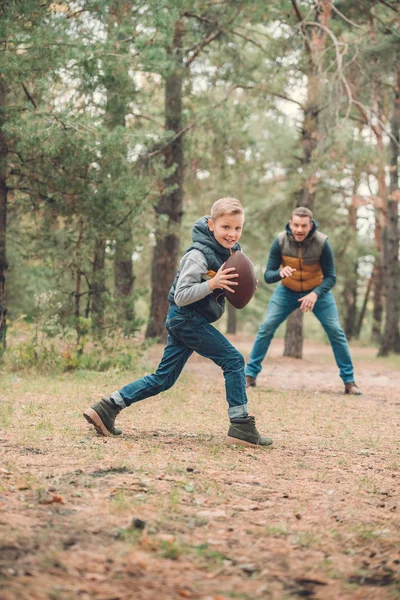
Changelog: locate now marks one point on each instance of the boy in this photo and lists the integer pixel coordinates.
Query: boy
(196, 300)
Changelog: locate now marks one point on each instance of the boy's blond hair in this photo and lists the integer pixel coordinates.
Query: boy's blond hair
(226, 206)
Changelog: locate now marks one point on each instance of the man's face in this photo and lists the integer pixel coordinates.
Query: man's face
(301, 227)
(227, 229)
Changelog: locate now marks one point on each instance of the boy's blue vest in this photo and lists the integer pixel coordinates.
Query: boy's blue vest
(212, 306)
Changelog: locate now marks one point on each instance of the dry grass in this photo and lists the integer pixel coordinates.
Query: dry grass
(315, 516)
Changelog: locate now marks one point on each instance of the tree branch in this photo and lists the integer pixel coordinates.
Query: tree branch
(284, 97)
(388, 5)
(302, 28)
(188, 127)
(28, 95)
(337, 11)
(210, 38)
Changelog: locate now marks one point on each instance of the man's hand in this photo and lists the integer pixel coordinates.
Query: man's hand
(286, 272)
(308, 302)
(223, 279)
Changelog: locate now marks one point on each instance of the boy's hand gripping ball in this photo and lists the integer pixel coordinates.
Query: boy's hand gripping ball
(247, 281)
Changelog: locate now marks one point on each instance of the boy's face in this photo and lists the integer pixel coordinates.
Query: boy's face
(301, 227)
(227, 229)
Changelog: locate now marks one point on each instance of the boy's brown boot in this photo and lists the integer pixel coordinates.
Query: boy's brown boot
(102, 417)
(250, 381)
(351, 388)
(243, 432)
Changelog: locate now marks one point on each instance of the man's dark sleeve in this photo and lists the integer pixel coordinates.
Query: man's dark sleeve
(328, 269)
(272, 272)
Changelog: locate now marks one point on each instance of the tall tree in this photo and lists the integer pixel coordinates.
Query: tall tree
(3, 215)
(315, 37)
(390, 341)
(169, 206)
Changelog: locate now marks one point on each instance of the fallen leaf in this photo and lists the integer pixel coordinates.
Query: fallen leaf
(55, 499)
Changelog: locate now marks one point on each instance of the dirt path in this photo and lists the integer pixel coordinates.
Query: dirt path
(169, 512)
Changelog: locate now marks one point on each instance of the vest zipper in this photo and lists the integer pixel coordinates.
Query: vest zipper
(301, 274)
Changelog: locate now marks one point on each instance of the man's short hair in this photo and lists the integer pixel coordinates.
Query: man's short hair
(302, 211)
(226, 206)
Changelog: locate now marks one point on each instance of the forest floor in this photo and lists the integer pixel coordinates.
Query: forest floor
(170, 512)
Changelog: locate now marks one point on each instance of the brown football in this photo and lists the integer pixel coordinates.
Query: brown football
(247, 281)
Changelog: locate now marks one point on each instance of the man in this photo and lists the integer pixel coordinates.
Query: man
(301, 258)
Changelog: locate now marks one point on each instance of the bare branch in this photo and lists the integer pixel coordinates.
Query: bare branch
(190, 126)
(200, 18)
(244, 37)
(28, 95)
(210, 38)
(388, 5)
(337, 11)
(339, 58)
(284, 97)
(301, 24)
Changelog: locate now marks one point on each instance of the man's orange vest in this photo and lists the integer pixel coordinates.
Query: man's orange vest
(305, 258)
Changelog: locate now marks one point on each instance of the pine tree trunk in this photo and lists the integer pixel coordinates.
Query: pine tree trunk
(310, 140)
(350, 291)
(294, 335)
(77, 309)
(3, 219)
(294, 325)
(231, 328)
(390, 341)
(116, 110)
(124, 277)
(97, 288)
(364, 307)
(381, 208)
(169, 207)
(377, 276)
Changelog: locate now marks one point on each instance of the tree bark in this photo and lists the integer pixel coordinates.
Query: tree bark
(310, 140)
(169, 207)
(98, 287)
(124, 277)
(3, 218)
(350, 291)
(117, 84)
(294, 333)
(381, 210)
(390, 341)
(377, 277)
(231, 328)
(117, 102)
(364, 307)
(78, 289)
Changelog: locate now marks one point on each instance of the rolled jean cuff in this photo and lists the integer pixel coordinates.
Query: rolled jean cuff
(238, 412)
(118, 399)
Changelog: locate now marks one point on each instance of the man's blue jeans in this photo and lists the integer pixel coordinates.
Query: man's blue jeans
(188, 332)
(284, 302)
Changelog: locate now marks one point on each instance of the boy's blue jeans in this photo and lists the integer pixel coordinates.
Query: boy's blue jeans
(188, 332)
(284, 302)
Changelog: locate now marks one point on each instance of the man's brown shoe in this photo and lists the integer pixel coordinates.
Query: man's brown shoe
(250, 381)
(351, 388)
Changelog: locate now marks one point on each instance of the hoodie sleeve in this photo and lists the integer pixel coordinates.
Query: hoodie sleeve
(273, 270)
(191, 285)
(327, 262)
